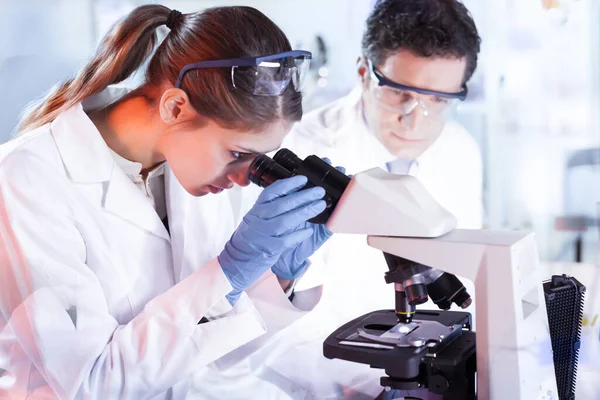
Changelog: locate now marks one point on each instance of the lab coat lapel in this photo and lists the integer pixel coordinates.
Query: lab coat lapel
(199, 226)
(88, 160)
(124, 199)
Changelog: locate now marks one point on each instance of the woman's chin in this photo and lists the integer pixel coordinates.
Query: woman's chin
(198, 191)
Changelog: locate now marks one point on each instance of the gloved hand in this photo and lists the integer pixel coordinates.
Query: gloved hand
(294, 261)
(275, 223)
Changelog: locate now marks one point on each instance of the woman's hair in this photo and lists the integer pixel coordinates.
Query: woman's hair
(214, 34)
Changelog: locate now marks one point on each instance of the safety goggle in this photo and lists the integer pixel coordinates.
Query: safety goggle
(404, 99)
(262, 76)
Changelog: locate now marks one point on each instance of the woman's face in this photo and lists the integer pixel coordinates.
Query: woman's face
(209, 158)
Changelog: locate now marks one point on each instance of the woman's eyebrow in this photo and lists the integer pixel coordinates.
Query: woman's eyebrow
(256, 152)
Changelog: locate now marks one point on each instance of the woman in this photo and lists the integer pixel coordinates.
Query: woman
(91, 298)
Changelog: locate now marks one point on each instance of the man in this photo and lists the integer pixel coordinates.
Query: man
(417, 59)
(418, 56)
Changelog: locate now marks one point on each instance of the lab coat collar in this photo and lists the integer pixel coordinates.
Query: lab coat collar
(88, 159)
(84, 152)
(351, 110)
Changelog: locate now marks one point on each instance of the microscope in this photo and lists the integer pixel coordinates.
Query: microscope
(434, 353)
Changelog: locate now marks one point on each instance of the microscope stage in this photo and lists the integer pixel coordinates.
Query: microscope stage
(378, 340)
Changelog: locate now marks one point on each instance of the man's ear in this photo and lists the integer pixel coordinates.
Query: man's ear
(362, 67)
(175, 107)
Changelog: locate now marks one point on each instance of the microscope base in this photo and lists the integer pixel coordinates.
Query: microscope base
(446, 369)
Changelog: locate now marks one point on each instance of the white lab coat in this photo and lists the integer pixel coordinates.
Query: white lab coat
(97, 300)
(348, 273)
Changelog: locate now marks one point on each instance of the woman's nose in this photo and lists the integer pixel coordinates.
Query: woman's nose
(239, 176)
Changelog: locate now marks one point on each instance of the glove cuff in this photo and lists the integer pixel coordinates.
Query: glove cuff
(233, 297)
(290, 274)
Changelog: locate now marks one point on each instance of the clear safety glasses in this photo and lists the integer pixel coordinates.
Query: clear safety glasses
(404, 100)
(262, 76)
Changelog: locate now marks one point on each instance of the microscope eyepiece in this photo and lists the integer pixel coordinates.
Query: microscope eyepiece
(287, 159)
(263, 171)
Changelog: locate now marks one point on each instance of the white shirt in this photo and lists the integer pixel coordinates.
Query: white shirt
(153, 185)
(403, 167)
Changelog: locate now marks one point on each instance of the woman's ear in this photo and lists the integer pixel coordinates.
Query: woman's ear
(175, 107)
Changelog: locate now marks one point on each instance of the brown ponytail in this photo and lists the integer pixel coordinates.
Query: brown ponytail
(122, 51)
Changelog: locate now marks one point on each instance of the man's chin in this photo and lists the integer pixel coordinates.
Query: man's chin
(404, 148)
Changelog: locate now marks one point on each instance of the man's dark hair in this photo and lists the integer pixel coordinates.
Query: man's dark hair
(427, 28)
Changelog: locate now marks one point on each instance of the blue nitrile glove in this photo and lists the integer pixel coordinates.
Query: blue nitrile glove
(275, 223)
(294, 261)
(391, 395)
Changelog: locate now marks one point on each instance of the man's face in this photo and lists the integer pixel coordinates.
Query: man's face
(406, 122)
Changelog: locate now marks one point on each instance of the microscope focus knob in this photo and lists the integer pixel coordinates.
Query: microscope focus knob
(438, 384)
(416, 294)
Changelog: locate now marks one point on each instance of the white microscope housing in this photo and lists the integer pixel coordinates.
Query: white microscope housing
(401, 218)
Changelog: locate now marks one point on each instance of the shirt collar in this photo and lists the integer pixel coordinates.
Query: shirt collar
(133, 169)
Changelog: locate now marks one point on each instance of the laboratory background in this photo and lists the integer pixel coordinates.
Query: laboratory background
(533, 104)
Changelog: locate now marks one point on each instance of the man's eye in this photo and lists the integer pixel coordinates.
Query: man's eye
(235, 154)
(441, 100)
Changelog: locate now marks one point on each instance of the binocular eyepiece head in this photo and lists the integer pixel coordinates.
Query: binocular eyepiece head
(264, 171)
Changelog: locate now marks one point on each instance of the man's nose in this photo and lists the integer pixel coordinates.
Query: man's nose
(414, 118)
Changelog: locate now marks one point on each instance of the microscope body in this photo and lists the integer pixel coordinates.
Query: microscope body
(401, 219)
